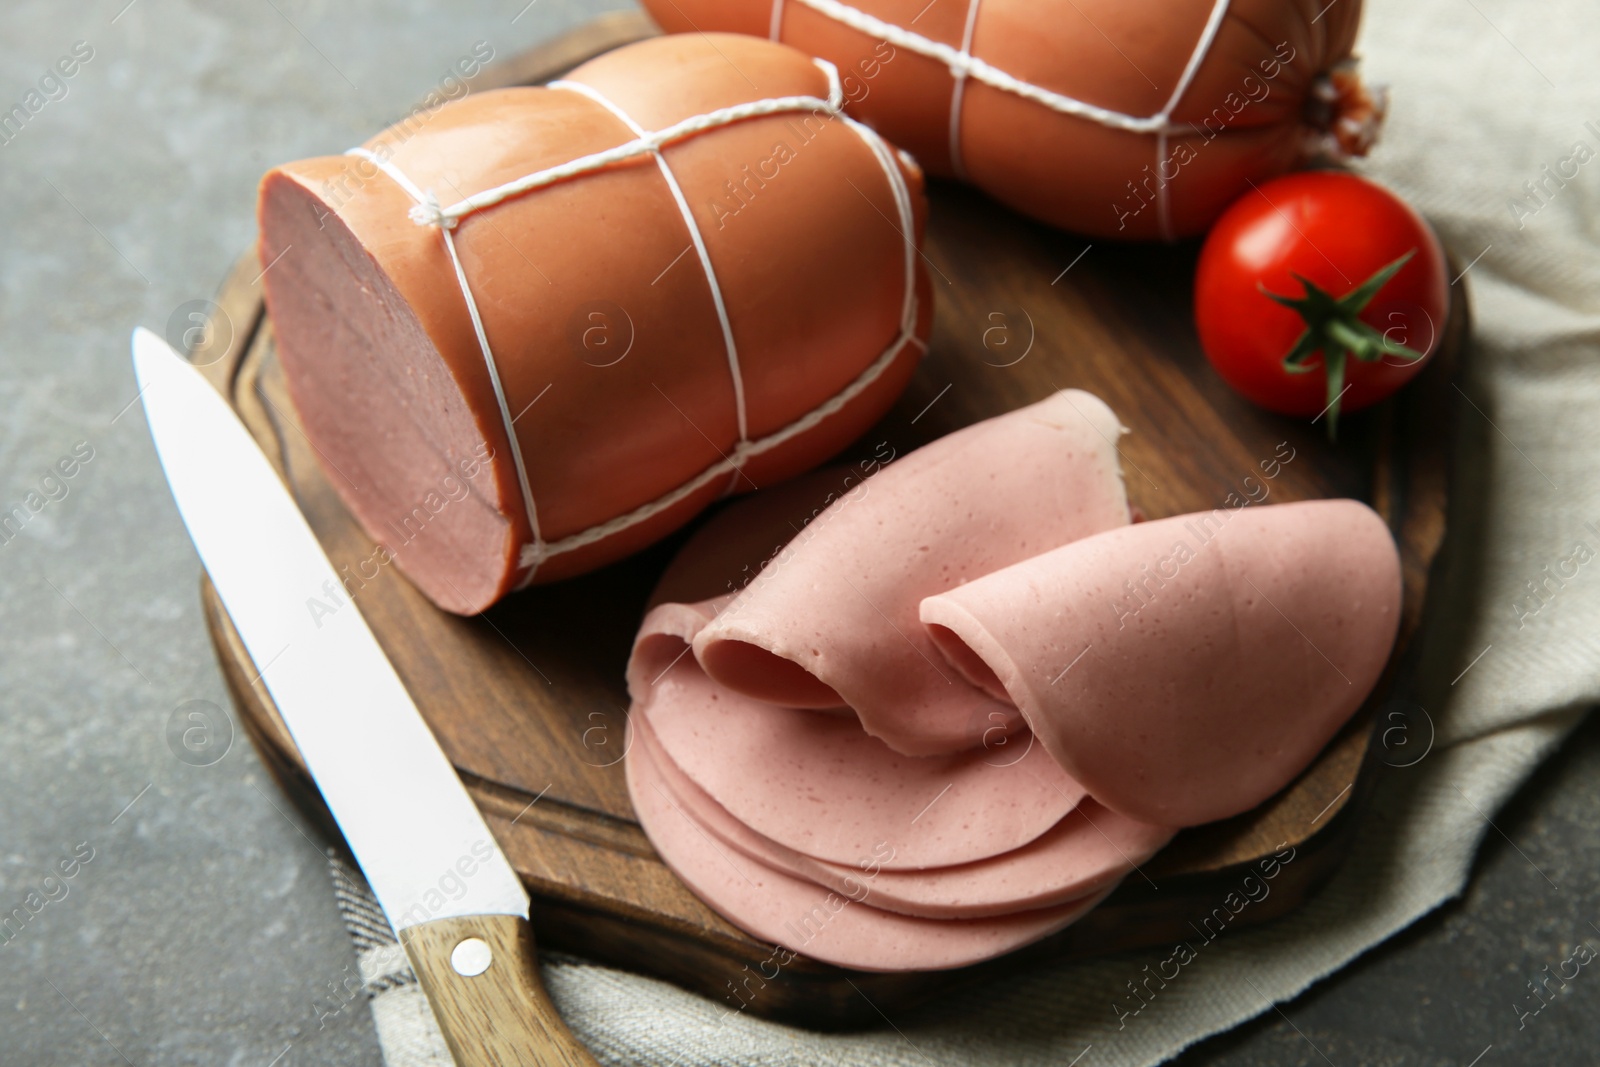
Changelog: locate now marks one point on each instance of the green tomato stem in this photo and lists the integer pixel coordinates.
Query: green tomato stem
(1351, 340)
(1335, 363)
(1334, 331)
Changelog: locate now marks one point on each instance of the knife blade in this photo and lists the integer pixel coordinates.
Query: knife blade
(409, 821)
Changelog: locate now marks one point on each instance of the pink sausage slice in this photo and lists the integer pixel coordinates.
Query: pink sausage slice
(818, 784)
(727, 551)
(832, 620)
(1186, 669)
(815, 921)
(1089, 850)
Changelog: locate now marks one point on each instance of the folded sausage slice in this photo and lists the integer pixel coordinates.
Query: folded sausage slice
(831, 621)
(1089, 850)
(816, 921)
(1186, 669)
(818, 784)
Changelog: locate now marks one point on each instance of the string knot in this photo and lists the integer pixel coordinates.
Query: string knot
(430, 213)
(533, 555)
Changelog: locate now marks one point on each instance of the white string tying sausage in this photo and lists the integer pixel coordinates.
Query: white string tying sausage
(695, 238)
(962, 65)
(958, 91)
(427, 211)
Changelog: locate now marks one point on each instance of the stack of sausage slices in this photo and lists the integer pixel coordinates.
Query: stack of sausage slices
(964, 699)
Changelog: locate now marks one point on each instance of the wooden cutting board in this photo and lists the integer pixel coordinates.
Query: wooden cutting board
(528, 699)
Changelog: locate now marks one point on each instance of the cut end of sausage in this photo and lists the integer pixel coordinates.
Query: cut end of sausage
(387, 419)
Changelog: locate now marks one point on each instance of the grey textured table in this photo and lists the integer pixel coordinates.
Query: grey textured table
(200, 928)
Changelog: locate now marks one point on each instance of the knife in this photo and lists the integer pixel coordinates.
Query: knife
(403, 810)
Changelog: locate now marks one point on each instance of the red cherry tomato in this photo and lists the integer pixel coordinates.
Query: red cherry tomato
(1320, 241)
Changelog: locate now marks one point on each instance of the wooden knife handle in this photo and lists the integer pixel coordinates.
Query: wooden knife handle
(501, 1017)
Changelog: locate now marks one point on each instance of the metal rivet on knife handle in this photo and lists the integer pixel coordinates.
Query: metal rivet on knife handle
(499, 1016)
(471, 957)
